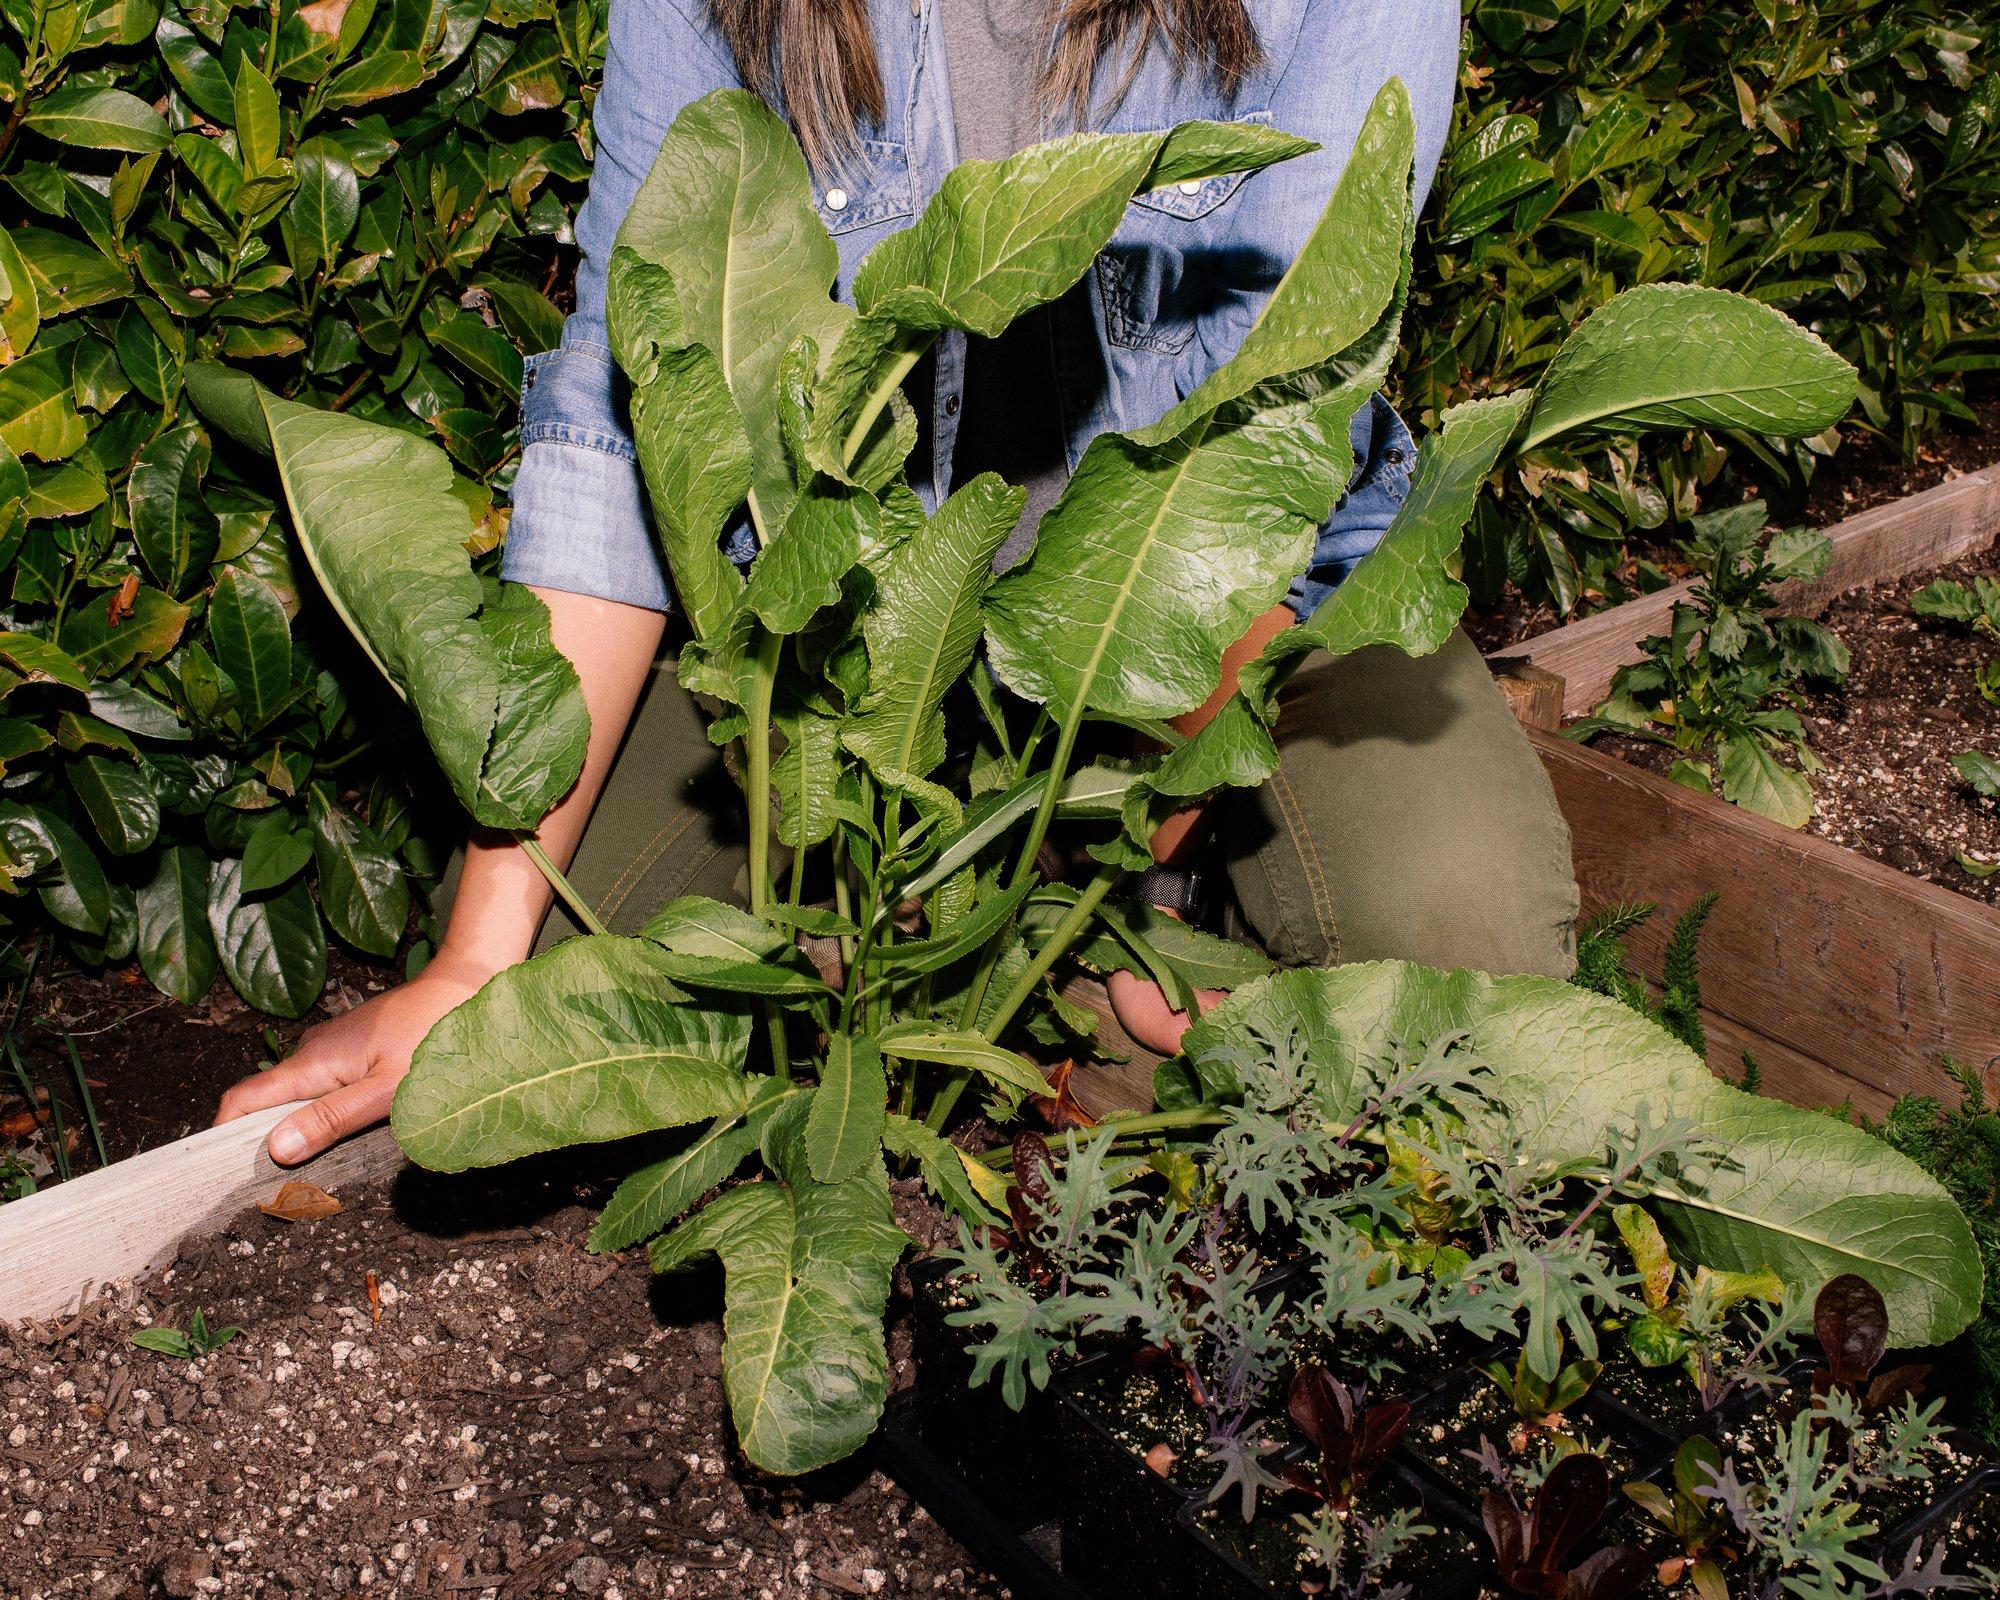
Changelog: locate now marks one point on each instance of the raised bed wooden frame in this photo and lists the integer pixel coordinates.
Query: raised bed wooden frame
(1847, 979)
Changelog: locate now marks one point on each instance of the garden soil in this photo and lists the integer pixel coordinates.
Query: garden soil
(1886, 737)
(524, 1420)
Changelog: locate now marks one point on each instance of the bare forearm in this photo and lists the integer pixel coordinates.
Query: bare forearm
(1181, 834)
(502, 895)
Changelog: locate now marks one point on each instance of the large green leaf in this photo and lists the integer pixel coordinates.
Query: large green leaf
(76, 894)
(1169, 541)
(1794, 1190)
(587, 1042)
(176, 945)
(689, 434)
(121, 804)
(1403, 591)
(659, 1193)
(924, 626)
(328, 203)
(271, 945)
(728, 212)
(808, 1267)
(1675, 356)
(386, 537)
(145, 631)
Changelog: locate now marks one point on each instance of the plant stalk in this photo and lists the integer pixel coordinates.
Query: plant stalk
(565, 890)
(1060, 939)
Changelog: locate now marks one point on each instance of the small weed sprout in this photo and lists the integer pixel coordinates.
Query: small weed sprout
(199, 1340)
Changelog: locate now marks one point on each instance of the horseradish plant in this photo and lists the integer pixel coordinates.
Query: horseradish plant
(755, 394)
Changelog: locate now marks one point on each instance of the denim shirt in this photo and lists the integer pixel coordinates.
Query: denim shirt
(1167, 302)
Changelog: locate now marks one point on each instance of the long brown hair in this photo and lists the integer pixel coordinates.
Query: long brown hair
(818, 56)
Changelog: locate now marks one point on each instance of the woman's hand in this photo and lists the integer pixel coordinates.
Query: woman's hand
(349, 1067)
(1145, 1013)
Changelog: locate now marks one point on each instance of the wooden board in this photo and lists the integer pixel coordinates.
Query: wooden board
(56, 1246)
(1910, 535)
(1857, 968)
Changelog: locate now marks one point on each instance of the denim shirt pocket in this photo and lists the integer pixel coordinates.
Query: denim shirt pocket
(873, 186)
(1151, 277)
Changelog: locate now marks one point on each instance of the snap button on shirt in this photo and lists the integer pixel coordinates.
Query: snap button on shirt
(836, 199)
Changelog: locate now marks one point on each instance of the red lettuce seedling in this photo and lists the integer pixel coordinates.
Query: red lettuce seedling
(1532, 1546)
(1028, 1198)
(1851, 1321)
(1353, 1438)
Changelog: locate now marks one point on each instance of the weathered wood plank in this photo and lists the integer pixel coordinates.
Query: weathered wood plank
(1876, 974)
(1102, 1087)
(125, 1220)
(1787, 1074)
(1533, 694)
(1909, 535)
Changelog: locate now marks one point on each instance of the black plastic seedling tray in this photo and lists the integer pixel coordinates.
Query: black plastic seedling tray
(1025, 1558)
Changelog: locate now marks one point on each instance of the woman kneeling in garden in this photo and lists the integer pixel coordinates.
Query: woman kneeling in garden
(1408, 818)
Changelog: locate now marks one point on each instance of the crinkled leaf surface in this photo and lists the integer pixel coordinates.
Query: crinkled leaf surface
(375, 514)
(844, 1125)
(587, 1042)
(689, 434)
(1168, 541)
(1670, 355)
(808, 1267)
(728, 212)
(924, 626)
(1798, 1192)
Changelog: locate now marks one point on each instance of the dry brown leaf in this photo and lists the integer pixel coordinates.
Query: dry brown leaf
(299, 1201)
(1062, 1110)
(122, 601)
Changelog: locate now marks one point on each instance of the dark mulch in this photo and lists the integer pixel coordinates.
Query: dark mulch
(1887, 736)
(525, 1421)
(155, 1068)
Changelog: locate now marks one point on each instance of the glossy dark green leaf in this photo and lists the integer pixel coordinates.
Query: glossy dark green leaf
(277, 850)
(252, 641)
(120, 801)
(328, 202)
(176, 945)
(147, 631)
(271, 946)
(100, 119)
(172, 524)
(362, 887)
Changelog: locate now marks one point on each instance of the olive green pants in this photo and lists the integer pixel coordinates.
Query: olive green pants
(1408, 818)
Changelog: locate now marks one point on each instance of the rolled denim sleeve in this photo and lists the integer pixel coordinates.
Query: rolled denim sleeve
(579, 520)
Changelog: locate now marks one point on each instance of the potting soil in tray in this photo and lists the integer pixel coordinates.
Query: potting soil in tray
(1272, 1548)
(524, 1413)
(1458, 1417)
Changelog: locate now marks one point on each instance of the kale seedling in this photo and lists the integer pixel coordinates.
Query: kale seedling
(1720, 687)
(1352, 1437)
(1532, 1545)
(199, 1340)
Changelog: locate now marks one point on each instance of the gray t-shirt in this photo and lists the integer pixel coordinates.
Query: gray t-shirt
(1011, 422)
